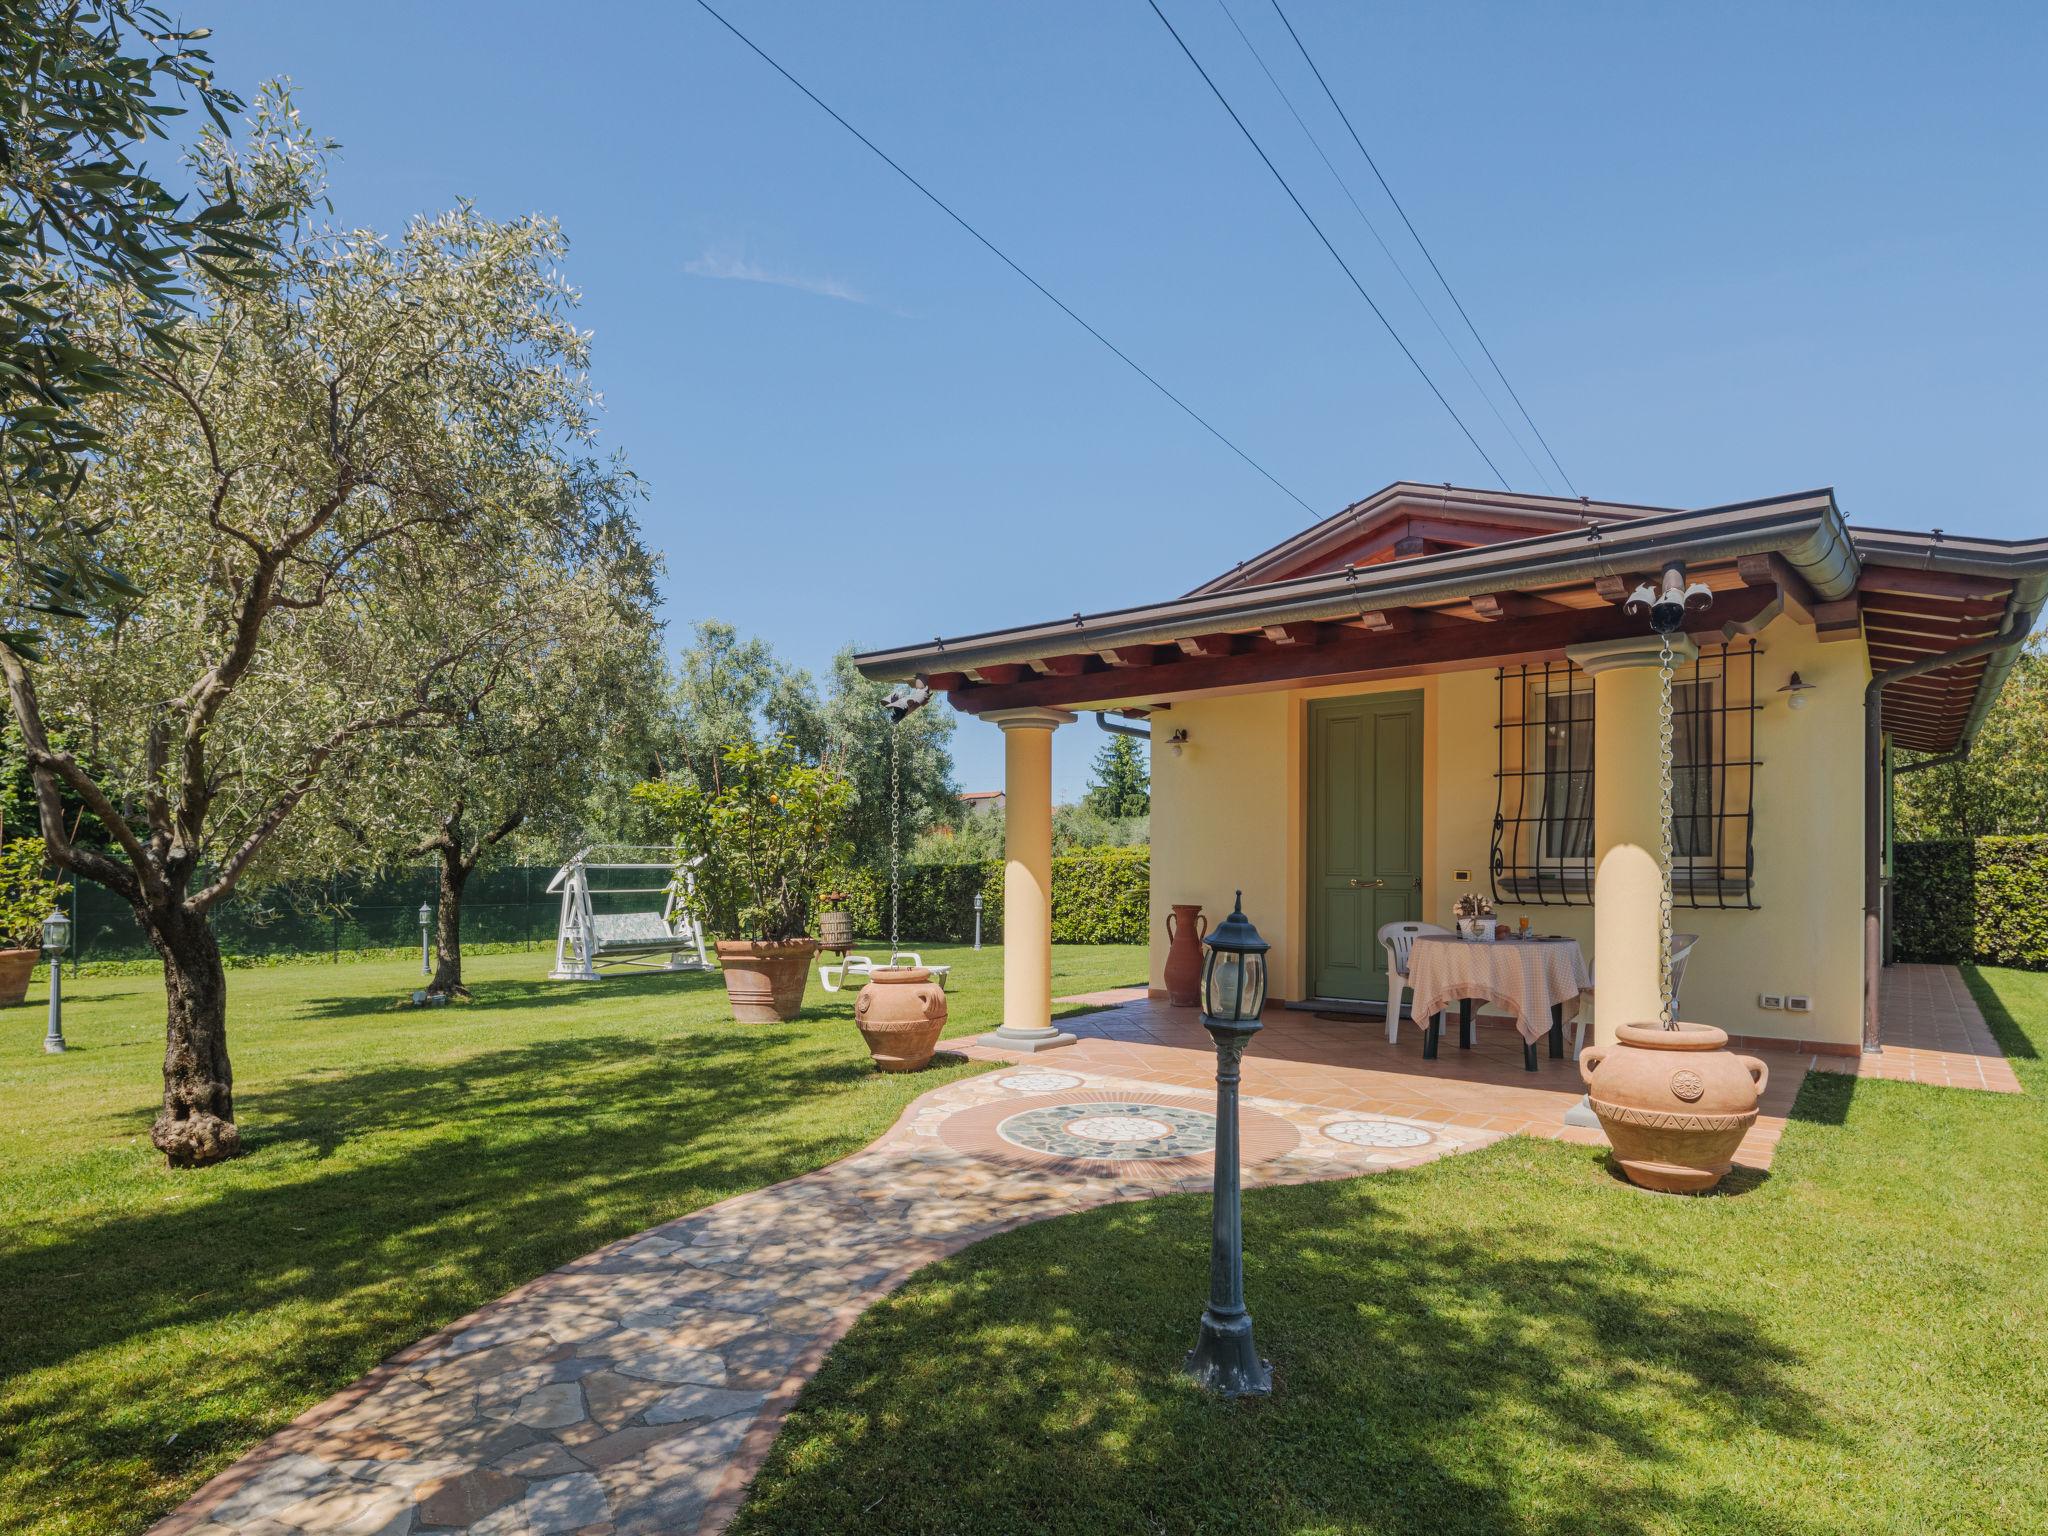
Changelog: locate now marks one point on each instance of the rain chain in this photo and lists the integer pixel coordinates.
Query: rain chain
(1667, 1004)
(896, 838)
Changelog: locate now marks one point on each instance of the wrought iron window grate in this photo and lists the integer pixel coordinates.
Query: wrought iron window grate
(1543, 853)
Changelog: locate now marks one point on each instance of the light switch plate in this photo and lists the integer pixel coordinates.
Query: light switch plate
(1798, 1002)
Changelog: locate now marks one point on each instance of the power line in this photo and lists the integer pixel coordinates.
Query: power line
(1374, 230)
(1420, 246)
(1003, 257)
(1335, 254)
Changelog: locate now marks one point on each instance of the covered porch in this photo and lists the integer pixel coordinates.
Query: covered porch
(1443, 692)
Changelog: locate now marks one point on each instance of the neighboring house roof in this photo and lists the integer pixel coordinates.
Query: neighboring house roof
(981, 794)
(1557, 567)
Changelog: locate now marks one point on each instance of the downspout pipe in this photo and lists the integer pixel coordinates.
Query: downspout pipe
(1118, 728)
(2018, 627)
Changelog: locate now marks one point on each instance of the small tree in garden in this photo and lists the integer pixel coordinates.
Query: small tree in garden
(325, 491)
(550, 721)
(1119, 785)
(762, 834)
(728, 690)
(27, 893)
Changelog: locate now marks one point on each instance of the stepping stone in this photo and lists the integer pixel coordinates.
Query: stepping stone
(674, 1363)
(466, 1498)
(545, 1459)
(687, 1403)
(354, 1509)
(558, 1504)
(549, 1407)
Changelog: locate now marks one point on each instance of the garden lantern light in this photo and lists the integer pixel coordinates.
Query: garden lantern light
(426, 921)
(1233, 995)
(977, 919)
(56, 936)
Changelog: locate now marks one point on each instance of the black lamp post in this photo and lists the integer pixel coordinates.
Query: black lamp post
(56, 935)
(1233, 994)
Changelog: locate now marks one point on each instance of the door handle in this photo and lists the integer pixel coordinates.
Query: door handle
(1367, 885)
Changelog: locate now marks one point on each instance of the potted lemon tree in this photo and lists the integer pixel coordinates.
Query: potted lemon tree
(27, 893)
(762, 834)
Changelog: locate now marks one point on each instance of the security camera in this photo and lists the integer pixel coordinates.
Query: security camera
(1667, 606)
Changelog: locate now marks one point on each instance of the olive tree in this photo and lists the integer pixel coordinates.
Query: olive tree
(324, 493)
(552, 726)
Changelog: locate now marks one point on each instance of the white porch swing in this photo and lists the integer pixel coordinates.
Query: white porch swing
(671, 939)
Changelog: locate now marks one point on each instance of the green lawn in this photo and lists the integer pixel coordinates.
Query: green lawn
(1510, 1341)
(404, 1166)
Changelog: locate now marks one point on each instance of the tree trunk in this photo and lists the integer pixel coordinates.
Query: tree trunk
(448, 926)
(197, 1124)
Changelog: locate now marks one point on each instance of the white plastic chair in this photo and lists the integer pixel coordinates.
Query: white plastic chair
(1681, 951)
(1399, 938)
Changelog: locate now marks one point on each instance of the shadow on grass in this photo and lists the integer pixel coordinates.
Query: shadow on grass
(2005, 1029)
(1824, 1098)
(373, 1206)
(527, 996)
(1505, 1378)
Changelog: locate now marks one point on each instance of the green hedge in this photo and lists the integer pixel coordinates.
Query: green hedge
(1102, 896)
(1986, 901)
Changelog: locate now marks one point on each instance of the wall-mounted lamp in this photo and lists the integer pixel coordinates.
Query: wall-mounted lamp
(1178, 742)
(1796, 690)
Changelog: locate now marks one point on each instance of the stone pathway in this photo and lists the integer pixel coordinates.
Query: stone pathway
(636, 1390)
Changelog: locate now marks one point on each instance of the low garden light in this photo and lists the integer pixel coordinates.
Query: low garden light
(1233, 995)
(977, 919)
(56, 937)
(426, 922)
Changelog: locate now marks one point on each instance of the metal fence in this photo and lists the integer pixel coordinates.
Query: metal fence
(328, 917)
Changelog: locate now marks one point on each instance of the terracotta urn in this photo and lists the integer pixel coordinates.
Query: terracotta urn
(901, 1013)
(1185, 927)
(15, 965)
(1675, 1103)
(765, 981)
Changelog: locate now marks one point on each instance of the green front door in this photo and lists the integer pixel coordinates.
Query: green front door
(1365, 837)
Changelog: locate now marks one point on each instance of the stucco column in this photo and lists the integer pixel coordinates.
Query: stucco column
(1027, 879)
(1627, 827)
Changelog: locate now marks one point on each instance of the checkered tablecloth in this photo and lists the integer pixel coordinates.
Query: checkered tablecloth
(1523, 977)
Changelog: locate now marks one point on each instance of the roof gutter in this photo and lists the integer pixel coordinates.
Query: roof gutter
(1808, 532)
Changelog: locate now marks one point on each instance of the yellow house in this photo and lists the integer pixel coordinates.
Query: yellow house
(1440, 691)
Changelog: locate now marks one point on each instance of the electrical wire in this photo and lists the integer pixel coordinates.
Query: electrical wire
(1374, 230)
(1498, 372)
(1336, 255)
(1002, 256)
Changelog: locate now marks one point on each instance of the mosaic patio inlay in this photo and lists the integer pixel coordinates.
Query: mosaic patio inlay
(1378, 1133)
(1135, 1132)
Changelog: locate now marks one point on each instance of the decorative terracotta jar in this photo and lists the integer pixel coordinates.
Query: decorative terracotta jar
(1185, 927)
(901, 1013)
(765, 982)
(1675, 1103)
(15, 965)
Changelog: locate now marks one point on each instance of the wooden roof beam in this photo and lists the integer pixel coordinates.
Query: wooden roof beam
(1303, 634)
(1210, 645)
(1946, 584)
(1497, 606)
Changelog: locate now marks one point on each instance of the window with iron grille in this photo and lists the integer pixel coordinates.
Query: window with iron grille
(1543, 852)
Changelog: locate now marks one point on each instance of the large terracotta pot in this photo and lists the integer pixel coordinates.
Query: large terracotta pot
(15, 965)
(901, 1013)
(1674, 1102)
(765, 982)
(1185, 927)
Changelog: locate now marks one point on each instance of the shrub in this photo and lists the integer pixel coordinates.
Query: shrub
(27, 893)
(1100, 896)
(1987, 900)
(759, 837)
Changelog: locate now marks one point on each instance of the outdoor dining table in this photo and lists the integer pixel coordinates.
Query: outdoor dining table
(1539, 981)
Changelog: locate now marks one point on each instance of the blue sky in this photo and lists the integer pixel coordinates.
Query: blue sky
(1722, 252)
